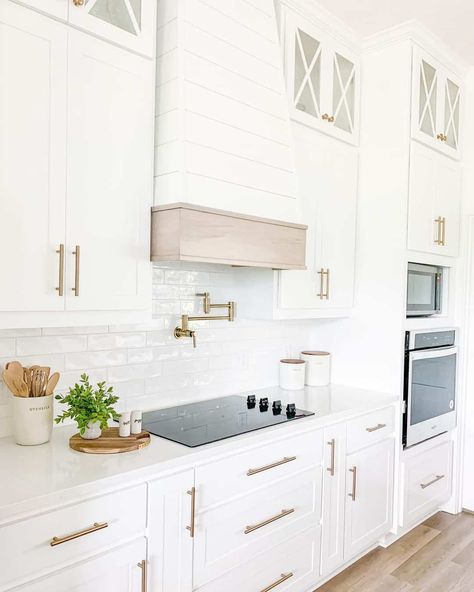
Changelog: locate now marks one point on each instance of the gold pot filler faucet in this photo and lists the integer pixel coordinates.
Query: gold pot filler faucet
(185, 331)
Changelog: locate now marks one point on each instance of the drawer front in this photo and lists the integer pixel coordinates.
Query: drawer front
(290, 567)
(236, 531)
(67, 535)
(427, 481)
(242, 473)
(371, 428)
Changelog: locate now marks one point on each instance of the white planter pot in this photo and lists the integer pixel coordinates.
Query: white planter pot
(32, 420)
(93, 431)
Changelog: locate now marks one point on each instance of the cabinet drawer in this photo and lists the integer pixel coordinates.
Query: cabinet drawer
(67, 535)
(427, 482)
(236, 531)
(369, 429)
(241, 473)
(292, 566)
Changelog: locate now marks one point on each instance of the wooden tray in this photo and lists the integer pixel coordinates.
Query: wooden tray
(110, 442)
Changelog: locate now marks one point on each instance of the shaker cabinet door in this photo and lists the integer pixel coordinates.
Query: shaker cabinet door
(33, 92)
(130, 23)
(109, 176)
(56, 8)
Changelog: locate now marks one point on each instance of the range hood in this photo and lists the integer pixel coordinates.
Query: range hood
(186, 232)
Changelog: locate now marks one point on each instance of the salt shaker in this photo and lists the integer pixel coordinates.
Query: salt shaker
(124, 424)
(136, 425)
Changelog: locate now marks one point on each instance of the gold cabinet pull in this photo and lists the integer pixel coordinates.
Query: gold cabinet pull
(143, 565)
(323, 284)
(332, 468)
(192, 493)
(78, 2)
(280, 580)
(435, 480)
(440, 137)
(439, 235)
(60, 288)
(379, 426)
(327, 284)
(70, 537)
(327, 117)
(77, 273)
(354, 483)
(282, 514)
(283, 461)
(443, 232)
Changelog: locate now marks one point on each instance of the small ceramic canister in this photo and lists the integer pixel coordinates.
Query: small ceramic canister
(318, 367)
(136, 425)
(292, 374)
(32, 420)
(124, 424)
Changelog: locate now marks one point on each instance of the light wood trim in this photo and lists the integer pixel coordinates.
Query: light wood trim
(188, 233)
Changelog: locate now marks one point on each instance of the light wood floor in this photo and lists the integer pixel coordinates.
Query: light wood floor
(437, 556)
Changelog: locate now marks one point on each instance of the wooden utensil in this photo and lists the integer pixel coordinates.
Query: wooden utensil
(52, 382)
(38, 382)
(17, 386)
(27, 375)
(16, 373)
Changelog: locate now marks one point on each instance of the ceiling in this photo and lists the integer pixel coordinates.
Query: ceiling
(451, 20)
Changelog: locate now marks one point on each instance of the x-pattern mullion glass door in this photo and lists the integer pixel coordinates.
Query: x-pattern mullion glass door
(345, 96)
(125, 22)
(307, 73)
(452, 94)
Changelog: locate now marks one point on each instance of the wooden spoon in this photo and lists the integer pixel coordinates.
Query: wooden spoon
(16, 372)
(18, 387)
(52, 382)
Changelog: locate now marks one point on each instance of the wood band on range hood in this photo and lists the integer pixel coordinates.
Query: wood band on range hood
(184, 232)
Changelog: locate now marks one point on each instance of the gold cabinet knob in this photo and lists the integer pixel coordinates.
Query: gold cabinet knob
(440, 137)
(78, 2)
(328, 118)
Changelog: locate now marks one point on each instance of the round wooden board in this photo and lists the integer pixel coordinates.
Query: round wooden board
(110, 442)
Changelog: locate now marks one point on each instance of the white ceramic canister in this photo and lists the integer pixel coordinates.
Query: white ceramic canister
(124, 424)
(32, 420)
(318, 367)
(292, 374)
(136, 422)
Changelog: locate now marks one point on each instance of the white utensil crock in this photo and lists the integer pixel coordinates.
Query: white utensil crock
(32, 420)
(93, 431)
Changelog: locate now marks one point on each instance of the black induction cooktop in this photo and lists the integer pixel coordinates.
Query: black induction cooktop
(209, 421)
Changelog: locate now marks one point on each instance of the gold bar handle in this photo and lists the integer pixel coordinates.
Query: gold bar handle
(280, 580)
(283, 461)
(60, 288)
(439, 238)
(70, 537)
(435, 480)
(192, 493)
(326, 294)
(332, 468)
(379, 426)
(443, 232)
(143, 565)
(77, 253)
(282, 514)
(354, 483)
(321, 294)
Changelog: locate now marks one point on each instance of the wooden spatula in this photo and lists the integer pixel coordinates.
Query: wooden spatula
(52, 382)
(17, 386)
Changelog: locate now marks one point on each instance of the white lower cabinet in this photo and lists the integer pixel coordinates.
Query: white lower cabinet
(170, 550)
(292, 566)
(334, 498)
(121, 570)
(369, 500)
(427, 479)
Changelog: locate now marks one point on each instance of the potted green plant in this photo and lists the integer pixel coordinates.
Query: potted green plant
(89, 407)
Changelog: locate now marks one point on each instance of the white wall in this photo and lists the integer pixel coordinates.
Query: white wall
(147, 366)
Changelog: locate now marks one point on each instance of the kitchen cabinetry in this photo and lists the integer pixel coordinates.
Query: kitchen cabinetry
(436, 104)
(334, 498)
(369, 501)
(330, 203)
(56, 8)
(121, 570)
(85, 143)
(323, 79)
(170, 506)
(434, 202)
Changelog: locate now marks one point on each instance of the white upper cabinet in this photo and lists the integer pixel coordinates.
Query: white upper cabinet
(130, 23)
(329, 205)
(436, 104)
(33, 90)
(109, 176)
(434, 202)
(322, 79)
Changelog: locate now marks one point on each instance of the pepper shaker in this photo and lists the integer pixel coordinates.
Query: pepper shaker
(136, 422)
(124, 424)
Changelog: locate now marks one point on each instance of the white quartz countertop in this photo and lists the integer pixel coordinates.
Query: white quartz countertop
(38, 478)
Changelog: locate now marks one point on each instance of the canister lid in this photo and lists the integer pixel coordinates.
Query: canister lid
(315, 353)
(292, 361)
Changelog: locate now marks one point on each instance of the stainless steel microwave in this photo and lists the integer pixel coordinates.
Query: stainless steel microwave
(424, 290)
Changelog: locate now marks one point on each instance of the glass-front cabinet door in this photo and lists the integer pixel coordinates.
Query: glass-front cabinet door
(322, 80)
(436, 104)
(129, 23)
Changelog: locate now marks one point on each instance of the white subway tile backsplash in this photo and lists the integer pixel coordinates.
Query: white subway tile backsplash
(145, 364)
